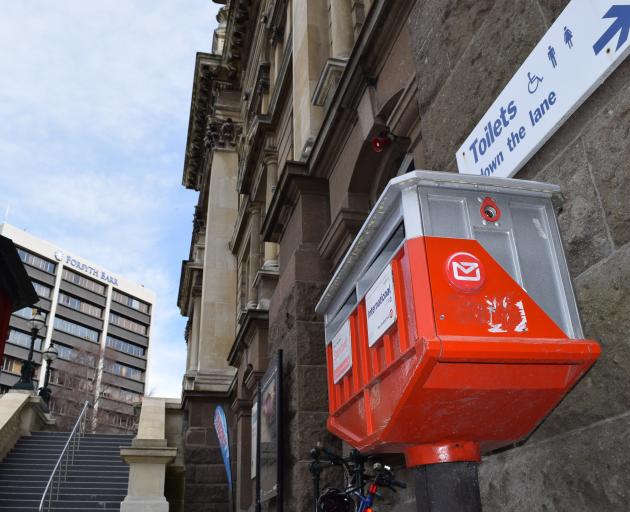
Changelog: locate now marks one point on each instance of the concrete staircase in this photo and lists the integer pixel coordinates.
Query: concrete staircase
(96, 481)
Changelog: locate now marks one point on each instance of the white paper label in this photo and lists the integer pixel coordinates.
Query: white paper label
(342, 352)
(380, 305)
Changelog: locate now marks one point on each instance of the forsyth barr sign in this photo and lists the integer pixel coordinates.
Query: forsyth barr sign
(83, 267)
(583, 46)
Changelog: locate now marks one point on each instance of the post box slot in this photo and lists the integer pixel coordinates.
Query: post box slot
(381, 260)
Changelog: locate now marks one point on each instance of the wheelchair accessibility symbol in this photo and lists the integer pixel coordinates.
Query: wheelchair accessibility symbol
(534, 82)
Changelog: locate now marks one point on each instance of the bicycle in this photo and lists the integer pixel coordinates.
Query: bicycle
(353, 497)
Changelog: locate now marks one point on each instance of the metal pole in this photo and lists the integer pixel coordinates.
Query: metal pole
(447, 487)
(316, 487)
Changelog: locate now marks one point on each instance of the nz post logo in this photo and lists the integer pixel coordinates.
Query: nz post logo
(465, 272)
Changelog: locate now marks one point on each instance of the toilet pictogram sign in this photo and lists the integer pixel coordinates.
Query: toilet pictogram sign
(465, 272)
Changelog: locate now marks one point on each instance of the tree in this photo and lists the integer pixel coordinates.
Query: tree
(76, 379)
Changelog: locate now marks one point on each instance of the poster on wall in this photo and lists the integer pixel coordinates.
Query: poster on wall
(270, 432)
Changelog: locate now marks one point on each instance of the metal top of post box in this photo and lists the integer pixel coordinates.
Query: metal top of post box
(398, 205)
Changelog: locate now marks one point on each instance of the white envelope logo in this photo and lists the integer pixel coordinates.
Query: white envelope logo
(466, 271)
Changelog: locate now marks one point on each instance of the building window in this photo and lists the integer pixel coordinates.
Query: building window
(75, 356)
(120, 394)
(79, 305)
(76, 330)
(23, 339)
(63, 351)
(83, 282)
(36, 261)
(28, 313)
(11, 365)
(121, 421)
(130, 301)
(128, 324)
(42, 290)
(126, 347)
(122, 370)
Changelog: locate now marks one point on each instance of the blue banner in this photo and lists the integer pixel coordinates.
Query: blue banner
(220, 425)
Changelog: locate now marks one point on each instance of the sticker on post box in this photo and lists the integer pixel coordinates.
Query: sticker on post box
(380, 304)
(342, 352)
(465, 272)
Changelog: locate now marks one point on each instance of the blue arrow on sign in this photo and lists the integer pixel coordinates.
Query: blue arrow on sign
(621, 24)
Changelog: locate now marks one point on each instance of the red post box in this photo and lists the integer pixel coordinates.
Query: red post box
(451, 324)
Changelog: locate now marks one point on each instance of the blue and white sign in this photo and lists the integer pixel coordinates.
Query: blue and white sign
(220, 425)
(583, 46)
(380, 306)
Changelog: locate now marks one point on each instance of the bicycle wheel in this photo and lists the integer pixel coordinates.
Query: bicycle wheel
(334, 500)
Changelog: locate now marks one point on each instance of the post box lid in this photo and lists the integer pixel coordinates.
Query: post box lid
(391, 196)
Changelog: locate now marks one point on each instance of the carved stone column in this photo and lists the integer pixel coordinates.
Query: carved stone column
(310, 51)
(194, 332)
(218, 296)
(341, 34)
(271, 249)
(254, 256)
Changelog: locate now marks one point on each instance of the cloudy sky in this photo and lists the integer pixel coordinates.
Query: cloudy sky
(94, 103)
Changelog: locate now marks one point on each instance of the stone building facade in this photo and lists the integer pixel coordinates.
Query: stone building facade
(283, 111)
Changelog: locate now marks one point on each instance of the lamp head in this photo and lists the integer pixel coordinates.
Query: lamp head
(50, 354)
(38, 321)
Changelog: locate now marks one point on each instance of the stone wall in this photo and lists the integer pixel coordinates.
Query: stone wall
(206, 481)
(465, 53)
(295, 328)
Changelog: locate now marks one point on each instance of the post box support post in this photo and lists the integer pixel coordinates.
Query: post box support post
(447, 487)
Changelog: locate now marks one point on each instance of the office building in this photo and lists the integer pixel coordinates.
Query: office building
(100, 324)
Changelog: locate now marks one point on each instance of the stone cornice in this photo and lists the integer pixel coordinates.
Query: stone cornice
(241, 407)
(293, 182)
(275, 20)
(252, 378)
(376, 39)
(254, 319)
(282, 85)
(340, 234)
(253, 145)
(187, 284)
(241, 225)
(328, 80)
(207, 66)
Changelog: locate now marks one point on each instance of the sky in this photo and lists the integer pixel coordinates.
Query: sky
(94, 105)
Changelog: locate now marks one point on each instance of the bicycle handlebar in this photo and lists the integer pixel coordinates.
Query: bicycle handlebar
(398, 483)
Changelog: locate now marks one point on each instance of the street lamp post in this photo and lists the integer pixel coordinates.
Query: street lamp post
(27, 372)
(49, 355)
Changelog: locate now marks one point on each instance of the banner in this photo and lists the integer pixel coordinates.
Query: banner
(220, 425)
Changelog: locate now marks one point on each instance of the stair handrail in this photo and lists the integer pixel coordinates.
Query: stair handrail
(67, 455)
